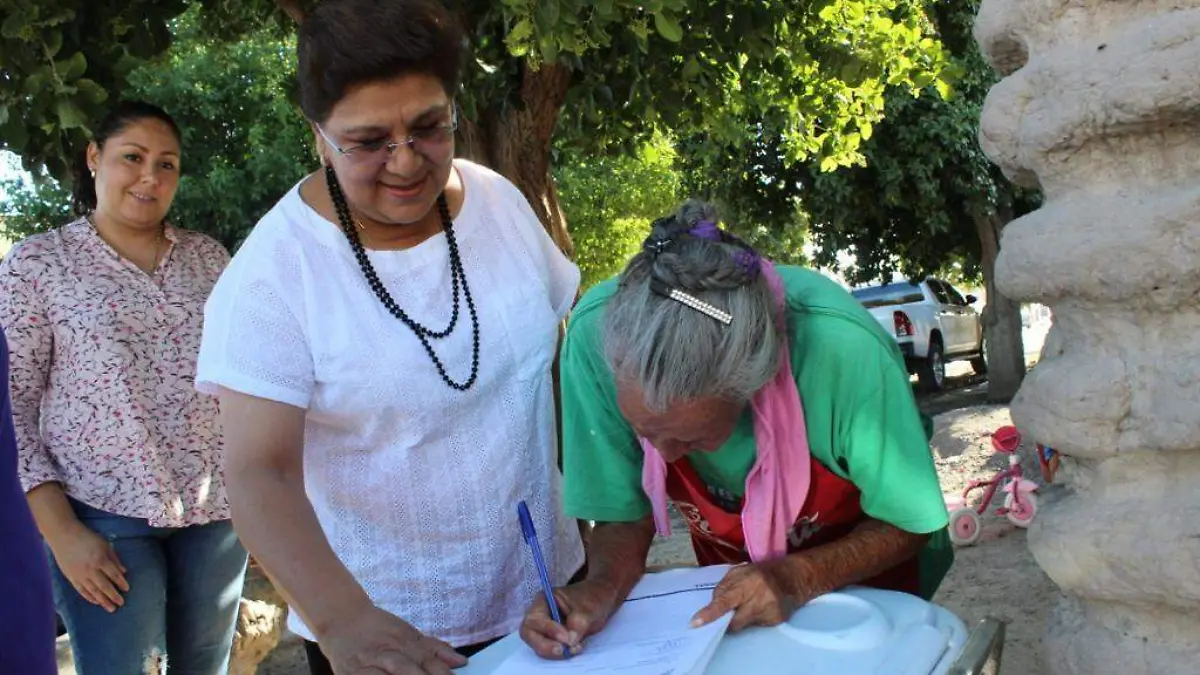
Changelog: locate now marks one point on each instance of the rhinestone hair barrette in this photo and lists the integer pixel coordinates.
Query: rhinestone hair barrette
(656, 246)
(692, 301)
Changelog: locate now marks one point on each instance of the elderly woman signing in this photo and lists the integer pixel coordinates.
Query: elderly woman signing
(768, 406)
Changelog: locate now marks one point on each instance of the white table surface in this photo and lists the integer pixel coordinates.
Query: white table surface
(772, 650)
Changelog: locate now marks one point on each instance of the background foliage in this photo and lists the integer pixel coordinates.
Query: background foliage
(611, 200)
(244, 143)
(815, 70)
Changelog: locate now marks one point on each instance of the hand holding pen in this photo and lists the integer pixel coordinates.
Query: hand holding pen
(557, 629)
(535, 549)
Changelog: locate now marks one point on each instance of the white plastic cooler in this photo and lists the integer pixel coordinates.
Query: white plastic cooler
(857, 631)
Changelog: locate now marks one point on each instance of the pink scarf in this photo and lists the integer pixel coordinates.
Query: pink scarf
(777, 485)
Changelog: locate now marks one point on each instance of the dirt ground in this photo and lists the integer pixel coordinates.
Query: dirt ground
(998, 576)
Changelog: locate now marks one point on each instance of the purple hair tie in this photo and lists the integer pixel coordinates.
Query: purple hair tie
(706, 229)
(750, 261)
(747, 258)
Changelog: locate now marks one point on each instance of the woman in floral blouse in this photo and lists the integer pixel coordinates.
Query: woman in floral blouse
(119, 455)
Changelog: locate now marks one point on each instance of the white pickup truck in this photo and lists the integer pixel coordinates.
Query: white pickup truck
(932, 322)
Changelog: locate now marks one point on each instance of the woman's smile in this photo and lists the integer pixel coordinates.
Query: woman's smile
(405, 191)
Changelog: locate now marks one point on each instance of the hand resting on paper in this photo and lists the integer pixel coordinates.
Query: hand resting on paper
(585, 608)
(375, 642)
(764, 594)
(768, 593)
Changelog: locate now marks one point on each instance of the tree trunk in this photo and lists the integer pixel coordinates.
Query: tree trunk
(1001, 318)
(515, 142)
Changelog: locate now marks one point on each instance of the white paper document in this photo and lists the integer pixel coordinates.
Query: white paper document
(649, 635)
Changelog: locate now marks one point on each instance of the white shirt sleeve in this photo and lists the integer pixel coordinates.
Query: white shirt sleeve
(254, 339)
(559, 275)
(563, 275)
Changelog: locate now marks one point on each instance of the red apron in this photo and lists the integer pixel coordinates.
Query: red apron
(831, 511)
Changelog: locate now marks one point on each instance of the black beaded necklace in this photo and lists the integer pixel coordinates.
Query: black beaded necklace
(457, 279)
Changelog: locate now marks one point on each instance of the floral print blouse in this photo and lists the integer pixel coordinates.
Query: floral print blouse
(102, 373)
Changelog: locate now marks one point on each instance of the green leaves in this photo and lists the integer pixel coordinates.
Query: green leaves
(53, 42)
(897, 176)
(70, 115)
(521, 32)
(72, 68)
(245, 144)
(668, 26)
(64, 58)
(912, 208)
(519, 40)
(763, 96)
(90, 91)
(14, 26)
(718, 66)
(610, 201)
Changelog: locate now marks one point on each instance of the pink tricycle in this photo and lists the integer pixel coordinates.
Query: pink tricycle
(1020, 504)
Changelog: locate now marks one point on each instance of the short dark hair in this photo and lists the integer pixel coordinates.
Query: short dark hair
(343, 43)
(83, 188)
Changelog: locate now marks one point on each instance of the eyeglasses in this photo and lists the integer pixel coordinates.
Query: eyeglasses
(433, 143)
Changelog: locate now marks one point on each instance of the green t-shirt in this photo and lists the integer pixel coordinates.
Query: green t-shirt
(863, 423)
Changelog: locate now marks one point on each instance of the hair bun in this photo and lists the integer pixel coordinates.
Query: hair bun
(696, 211)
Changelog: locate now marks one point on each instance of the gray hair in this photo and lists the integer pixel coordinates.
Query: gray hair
(673, 352)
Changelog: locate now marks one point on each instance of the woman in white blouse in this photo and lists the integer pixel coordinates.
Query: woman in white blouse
(382, 347)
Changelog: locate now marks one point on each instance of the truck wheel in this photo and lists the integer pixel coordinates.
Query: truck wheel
(979, 363)
(931, 371)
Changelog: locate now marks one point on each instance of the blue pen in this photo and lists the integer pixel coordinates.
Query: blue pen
(530, 535)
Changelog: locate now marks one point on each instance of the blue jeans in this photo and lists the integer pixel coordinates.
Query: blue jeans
(184, 588)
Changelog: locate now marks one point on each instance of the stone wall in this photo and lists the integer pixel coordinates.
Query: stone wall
(1100, 105)
(260, 624)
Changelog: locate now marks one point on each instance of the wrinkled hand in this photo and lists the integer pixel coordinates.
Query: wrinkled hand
(374, 642)
(585, 608)
(758, 594)
(91, 564)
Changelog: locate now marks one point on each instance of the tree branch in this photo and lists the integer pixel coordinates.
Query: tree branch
(50, 60)
(292, 8)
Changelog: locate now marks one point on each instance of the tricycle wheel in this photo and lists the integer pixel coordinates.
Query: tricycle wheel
(1021, 513)
(965, 527)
